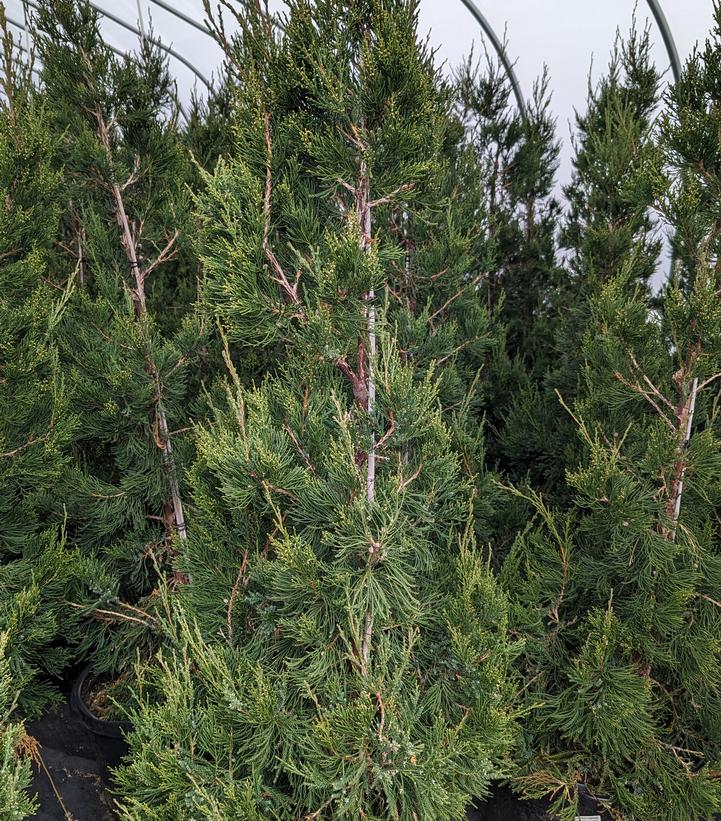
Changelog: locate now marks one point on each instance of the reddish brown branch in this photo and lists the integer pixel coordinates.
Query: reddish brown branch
(31, 441)
(684, 415)
(402, 189)
(453, 298)
(636, 388)
(166, 254)
(160, 426)
(656, 392)
(366, 644)
(403, 484)
(290, 290)
(357, 378)
(300, 450)
(387, 435)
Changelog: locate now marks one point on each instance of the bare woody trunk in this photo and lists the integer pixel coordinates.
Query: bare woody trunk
(679, 418)
(363, 205)
(139, 303)
(169, 464)
(684, 415)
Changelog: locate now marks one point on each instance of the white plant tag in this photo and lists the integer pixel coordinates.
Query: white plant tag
(588, 818)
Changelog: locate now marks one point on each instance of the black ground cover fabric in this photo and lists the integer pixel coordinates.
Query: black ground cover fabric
(77, 762)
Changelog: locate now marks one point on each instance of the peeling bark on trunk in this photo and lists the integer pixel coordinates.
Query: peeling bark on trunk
(139, 303)
(363, 205)
(684, 415)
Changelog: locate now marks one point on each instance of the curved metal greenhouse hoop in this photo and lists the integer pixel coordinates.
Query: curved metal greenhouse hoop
(480, 18)
(154, 40)
(181, 16)
(668, 40)
(112, 48)
(500, 51)
(654, 5)
(24, 28)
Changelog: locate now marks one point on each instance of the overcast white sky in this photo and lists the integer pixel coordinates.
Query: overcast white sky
(565, 34)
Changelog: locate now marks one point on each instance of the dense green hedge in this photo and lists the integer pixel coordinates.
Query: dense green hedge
(380, 466)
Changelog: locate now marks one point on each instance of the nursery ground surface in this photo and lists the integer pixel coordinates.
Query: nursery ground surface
(74, 765)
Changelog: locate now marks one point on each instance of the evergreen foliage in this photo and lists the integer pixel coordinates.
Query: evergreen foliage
(340, 321)
(329, 676)
(429, 226)
(35, 423)
(208, 133)
(129, 339)
(350, 656)
(15, 805)
(516, 158)
(37, 420)
(507, 181)
(608, 222)
(617, 593)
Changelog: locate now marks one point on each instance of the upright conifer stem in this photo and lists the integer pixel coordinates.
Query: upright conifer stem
(366, 226)
(141, 313)
(371, 481)
(169, 464)
(690, 407)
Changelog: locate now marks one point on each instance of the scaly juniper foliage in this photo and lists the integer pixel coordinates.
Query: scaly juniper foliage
(128, 340)
(350, 655)
(618, 594)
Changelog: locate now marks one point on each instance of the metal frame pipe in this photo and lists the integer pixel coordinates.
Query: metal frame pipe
(668, 40)
(114, 49)
(500, 51)
(182, 16)
(156, 41)
(656, 10)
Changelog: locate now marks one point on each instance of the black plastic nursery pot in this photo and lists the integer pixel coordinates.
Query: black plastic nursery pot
(109, 734)
(504, 805)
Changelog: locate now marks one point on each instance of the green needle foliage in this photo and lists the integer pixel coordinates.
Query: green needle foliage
(506, 179)
(516, 158)
(342, 648)
(37, 420)
(430, 232)
(374, 258)
(619, 593)
(15, 746)
(129, 338)
(609, 221)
